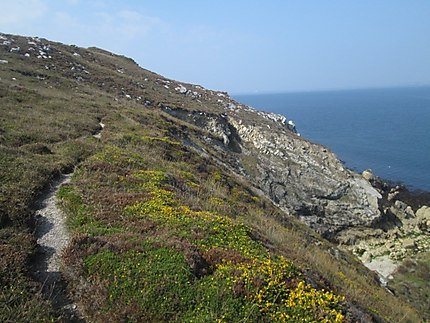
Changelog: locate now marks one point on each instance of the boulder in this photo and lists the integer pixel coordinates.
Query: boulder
(423, 213)
(409, 244)
(402, 210)
(368, 175)
(423, 218)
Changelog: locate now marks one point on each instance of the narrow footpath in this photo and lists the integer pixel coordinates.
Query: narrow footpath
(52, 238)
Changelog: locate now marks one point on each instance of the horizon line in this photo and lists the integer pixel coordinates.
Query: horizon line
(330, 90)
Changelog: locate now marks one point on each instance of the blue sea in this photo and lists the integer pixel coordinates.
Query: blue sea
(386, 130)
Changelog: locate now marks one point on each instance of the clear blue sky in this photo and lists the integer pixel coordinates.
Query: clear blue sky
(246, 46)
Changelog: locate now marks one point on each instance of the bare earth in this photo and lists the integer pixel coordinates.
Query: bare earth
(52, 237)
(51, 232)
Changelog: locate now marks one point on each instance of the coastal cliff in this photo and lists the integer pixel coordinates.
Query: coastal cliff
(178, 191)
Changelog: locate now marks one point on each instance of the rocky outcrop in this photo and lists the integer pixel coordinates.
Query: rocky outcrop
(400, 234)
(306, 180)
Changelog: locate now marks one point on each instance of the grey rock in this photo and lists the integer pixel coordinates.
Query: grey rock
(409, 244)
(402, 211)
(306, 180)
(423, 218)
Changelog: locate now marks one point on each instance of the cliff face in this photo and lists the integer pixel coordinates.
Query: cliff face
(306, 180)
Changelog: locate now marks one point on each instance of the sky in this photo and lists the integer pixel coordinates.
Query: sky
(246, 46)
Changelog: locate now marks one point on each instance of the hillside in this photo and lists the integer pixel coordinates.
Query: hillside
(182, 205)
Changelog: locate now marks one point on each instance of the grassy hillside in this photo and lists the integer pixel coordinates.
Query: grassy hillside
(161, 230)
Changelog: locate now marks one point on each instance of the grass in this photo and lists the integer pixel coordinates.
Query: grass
(187, 205)
(160, 233)
(412, 283)
(176, 262)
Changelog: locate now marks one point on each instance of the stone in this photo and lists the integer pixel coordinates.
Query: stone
(366, 257)
(368, 175)
(423, 213)
(392, 195)
(402, 211)
(423, 219)
(181, 89)
(409, 244)
(409, 212)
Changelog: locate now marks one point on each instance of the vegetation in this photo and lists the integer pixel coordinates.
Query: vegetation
(177, 261)
(160, 232)
(412, 283)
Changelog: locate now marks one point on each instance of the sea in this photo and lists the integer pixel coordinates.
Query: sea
(386, 130)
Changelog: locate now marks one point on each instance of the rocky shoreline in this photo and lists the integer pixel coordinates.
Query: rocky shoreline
(402, 232)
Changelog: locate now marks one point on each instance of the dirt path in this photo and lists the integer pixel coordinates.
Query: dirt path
(52, 237)
(51, 232)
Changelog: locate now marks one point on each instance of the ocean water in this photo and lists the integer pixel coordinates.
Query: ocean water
(386, 130)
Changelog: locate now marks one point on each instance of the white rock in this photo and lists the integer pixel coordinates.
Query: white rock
(368, 175)
(3, 61)
(76, 54)
(27, 55)
(181, 89)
